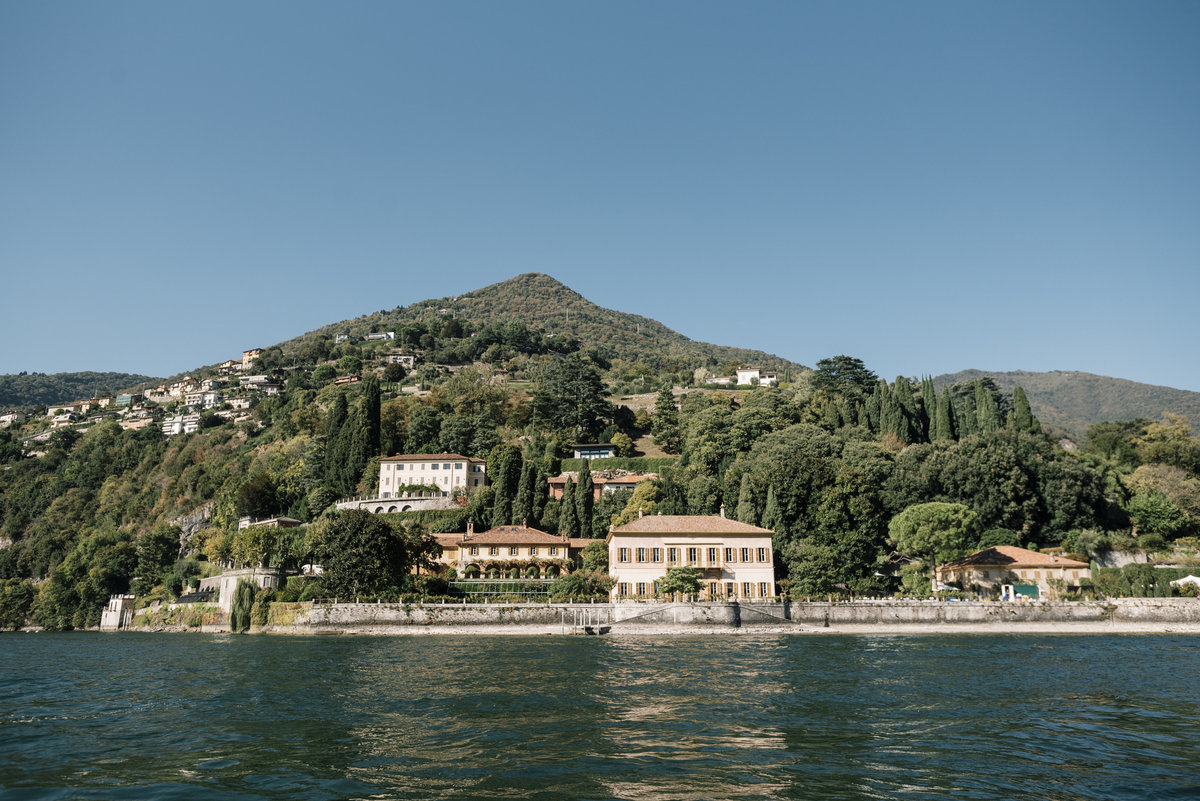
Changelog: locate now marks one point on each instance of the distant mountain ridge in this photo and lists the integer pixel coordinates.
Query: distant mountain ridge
(1074, 401)
(542, 302)
(42, 389)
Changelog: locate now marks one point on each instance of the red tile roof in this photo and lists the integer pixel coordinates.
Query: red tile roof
(690, 524)
(511, 535)
(1012, 556)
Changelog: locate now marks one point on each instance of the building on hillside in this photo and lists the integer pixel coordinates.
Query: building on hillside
(510, 552)
(446, 471)
(118, 614)
(753, 375)
(403, 359)
(602, 481)
(345, 380)
(62, 408)
(269, 522)
(135, 423)
(986, 572)
(229, 366)
(180, 424)
(129, 398)
(604, 450)
(248, 357)
(380, 336)
(11, 417)
(735, 560)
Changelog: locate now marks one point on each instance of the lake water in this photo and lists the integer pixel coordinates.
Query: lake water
(144, 716)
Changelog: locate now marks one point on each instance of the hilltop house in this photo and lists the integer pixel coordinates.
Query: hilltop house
(446, 471)
(753, 375)
(736, 560)
(986, 572)
(602, 451)
(248, 357)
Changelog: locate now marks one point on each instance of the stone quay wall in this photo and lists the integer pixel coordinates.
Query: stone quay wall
(646, 617)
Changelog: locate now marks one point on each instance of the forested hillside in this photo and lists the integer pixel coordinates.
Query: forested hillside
(1074, 401)
(545, 305)
(40, 389)
(112, 504)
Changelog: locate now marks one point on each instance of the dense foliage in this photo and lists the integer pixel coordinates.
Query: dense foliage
(41, 389)
(827, 462)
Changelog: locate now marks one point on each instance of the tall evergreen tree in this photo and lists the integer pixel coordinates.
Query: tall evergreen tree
(906, 427)
(506, 485)
(943, 426)
(1023, 417)
(745, 506)
(987, 416)
(522, 510)
(371, 405)
(568, 514)
(665, 422)
(540, 496)
(772, 516)
(585, 499)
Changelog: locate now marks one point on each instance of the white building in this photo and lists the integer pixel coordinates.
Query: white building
(446, 471)
(735, 560)
(753, 375)
(180, 424)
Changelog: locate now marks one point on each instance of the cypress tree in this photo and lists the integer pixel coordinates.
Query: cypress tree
(905, 423)
(585, 498)
(943, 428)
(506, 485)
(540, 495)
(371, 404)
(772, 516)
(745, 505)
(664, 425)
(568, 515)
(523, 504)
(1023, 417)
(874, 409)
(987, 416)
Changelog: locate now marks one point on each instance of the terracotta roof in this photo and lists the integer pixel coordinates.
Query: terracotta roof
(510, 535)
(448, 540)
(429, 457)
(581, 542)
(1012, 556)
(689, 524)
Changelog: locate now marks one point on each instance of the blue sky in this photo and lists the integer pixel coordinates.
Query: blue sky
(927, 186)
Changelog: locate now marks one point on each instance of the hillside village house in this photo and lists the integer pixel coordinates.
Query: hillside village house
(753, 375)
(248, 357)
(509, 552)
(736, 560)
(446, 471)
(601, 451)
(403, 359)
(602, 481)
(10, 417)
(986, 572)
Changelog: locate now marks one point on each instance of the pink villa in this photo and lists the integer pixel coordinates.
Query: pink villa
(735, 560)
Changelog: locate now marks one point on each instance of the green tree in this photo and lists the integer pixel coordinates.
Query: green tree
(393, 373)
(1170, 441)
(842, 374)
(1154, 513)
(364, 556)
(745, 506)
(258, 496)
(243, 604)
(664, 425)
(585, 499)
(680, 580)
(580, 585)
(568, 396)
(156, 550)
(937, 530)
(1023, 417)
(595, 556)
(568, 511)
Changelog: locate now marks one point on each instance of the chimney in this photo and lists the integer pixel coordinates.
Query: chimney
(640, 512)
(525, 522)
(722, 510)
(470, 528)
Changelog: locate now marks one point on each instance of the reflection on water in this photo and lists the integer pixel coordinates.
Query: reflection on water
(782, 717)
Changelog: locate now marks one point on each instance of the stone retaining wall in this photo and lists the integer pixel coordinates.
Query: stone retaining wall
(634, 616)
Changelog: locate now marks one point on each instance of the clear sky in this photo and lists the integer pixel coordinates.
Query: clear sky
(927, 186)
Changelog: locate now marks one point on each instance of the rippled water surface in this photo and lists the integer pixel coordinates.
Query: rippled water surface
(140, 716)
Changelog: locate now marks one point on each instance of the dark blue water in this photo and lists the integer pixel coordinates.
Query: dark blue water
(134, 716)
